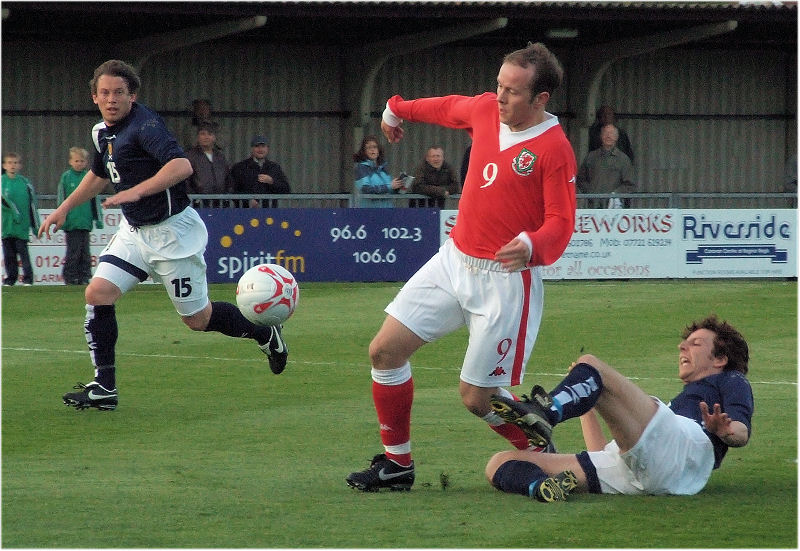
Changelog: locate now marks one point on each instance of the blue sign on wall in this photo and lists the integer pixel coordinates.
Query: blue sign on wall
(371, 244)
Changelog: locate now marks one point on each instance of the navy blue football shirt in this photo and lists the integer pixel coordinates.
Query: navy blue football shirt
(132, 151)
(730, 389)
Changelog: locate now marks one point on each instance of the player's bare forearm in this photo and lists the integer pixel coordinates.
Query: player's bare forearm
(90, 186)
(175, 171)
(592, 431)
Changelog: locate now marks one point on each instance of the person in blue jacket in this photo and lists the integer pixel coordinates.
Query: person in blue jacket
(371, 175)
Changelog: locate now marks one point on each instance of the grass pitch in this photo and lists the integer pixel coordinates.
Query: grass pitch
(209, 449)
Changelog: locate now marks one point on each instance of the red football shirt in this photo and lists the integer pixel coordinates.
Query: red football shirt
(517, 181)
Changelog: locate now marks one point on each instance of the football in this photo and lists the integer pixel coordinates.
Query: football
(267, 294)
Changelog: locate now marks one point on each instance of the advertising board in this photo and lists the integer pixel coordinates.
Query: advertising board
(377, 244)
(674, 243)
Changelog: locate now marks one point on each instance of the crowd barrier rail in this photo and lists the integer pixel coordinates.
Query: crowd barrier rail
(403, 200)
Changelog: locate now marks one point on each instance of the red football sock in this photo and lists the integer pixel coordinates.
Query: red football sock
(509, 431)
(393, 404)
(513, 434)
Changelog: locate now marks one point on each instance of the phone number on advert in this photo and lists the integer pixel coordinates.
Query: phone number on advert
(54, 261)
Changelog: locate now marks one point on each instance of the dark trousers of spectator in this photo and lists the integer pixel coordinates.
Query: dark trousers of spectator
(210, 203)
(12, 248)
(263, 203)
(429, 203)
(78, 260)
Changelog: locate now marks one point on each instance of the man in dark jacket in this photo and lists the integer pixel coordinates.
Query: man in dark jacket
(258, 175)
(434, 178)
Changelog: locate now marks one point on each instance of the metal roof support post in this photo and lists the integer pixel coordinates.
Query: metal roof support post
(597, 59)
(403, 45)
(146, 47)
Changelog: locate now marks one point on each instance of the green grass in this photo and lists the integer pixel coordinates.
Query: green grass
(209, 449)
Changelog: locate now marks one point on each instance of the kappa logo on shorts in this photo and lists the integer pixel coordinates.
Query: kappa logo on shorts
(497, 371)
(523, 163)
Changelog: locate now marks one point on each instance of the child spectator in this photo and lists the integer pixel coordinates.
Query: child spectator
(78, 262)
(20, 216)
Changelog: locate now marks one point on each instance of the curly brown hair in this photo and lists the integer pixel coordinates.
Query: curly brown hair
(116, 68)
(728, 342)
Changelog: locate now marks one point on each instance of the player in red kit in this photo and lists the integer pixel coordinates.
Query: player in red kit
(516, 213)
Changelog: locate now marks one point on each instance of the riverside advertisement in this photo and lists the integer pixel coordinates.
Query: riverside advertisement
(674, 243)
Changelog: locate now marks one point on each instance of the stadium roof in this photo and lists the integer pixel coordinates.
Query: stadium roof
(576, 23)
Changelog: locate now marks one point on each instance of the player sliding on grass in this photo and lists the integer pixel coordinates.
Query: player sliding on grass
(160, 235)
(657, 449)
(516, 214)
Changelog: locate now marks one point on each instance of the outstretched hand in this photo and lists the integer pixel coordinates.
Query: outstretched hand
(733, 433)
(393, 133)
(53, 220)
(717, 421)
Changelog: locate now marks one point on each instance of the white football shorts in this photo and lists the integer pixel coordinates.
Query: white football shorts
(502, 311)
(170, 252)
(673, 456)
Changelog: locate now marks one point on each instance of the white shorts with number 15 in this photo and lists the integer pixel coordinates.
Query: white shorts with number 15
(170, 252)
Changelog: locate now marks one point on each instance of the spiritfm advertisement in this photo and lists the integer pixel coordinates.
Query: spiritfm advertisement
(370, 244)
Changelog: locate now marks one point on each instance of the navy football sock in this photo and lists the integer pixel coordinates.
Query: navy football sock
(228, 320)
(101, 332)
(576, 394)
(106, 376)
(518, 477)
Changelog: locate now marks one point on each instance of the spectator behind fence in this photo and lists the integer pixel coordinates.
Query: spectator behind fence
(605, 115)
(371, 175)
(20, 216)
(201, 113)
(607, 170)
(434, 178)
(77, 269)
(258, 175)
(210, 166)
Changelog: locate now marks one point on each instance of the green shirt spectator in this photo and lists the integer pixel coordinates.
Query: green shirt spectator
(20, 216)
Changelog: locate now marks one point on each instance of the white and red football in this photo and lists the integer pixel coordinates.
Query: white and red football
(267, 294)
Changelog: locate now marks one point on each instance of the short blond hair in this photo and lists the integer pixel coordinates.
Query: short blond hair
(79, 151)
